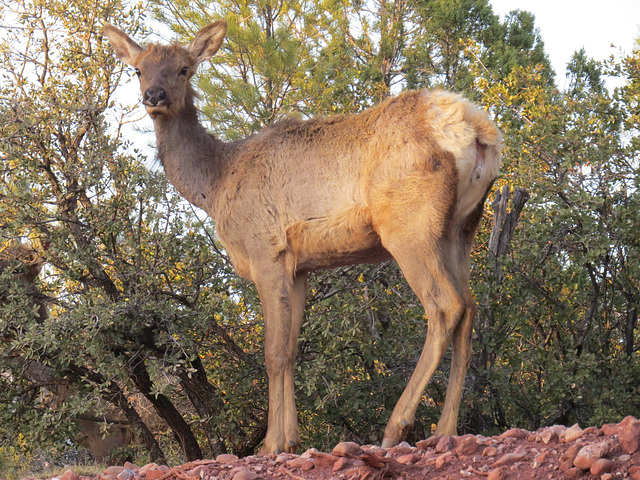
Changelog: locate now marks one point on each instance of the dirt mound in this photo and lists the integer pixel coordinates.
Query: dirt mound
(558, 452)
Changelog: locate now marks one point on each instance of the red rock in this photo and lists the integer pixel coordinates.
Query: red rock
(346, 449)
(610, 429)
(296, 462)
(126, 474)
(430, 442)
(113, 470)
(408, 459)
(401, 449)
(442, 459)
(131, 466)
(308, 453)
(445, 444)
(541, 457)
(226, 458)
(148, 466)
(308, 465)
(601, 466)
(511, 458)
(341, 463)
(69, 475)
(588, 454)
(517, 433)
(244, 473)
(571, 434)
(490, 452)
(593, 430)
(565, 462)
(324, 459)
(467, 446)
(626, 421)
(153, 474)
(497, 474)
(549, 436)
(629, 437)
(572, 473)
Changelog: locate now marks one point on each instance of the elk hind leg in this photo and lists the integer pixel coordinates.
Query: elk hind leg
(444, 307)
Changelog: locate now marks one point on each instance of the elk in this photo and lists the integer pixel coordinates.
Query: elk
(406, 180)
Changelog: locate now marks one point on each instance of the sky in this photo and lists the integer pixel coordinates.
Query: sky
(568, 25)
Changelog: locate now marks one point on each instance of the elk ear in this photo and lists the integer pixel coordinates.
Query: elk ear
(126, 49)
(208, 41)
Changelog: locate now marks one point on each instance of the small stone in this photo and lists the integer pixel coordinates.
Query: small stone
(126, 474)
(541, 457)
(69, 475)
(309, 452)
(490, 452)
(226, 458)
(572, 473)
(629, 437)
(606, 476)
(113, 470)
(131, 466)
(548, 436)
(497, 474)
(571, 434)
(346, 449)
(430, 442)
(588, 454)
(565, 461)
(517, 433)
(408, 459)
(634, 472)
(511, 458)
(610, 429)
(148, 466)
(624, 458)
(341, 463)
(244, 474)
(593, 431)
(324, 459)
(442, 459)
(445, 444)
(153, 474)
(600, 466)
(296, 462)
(467, 445)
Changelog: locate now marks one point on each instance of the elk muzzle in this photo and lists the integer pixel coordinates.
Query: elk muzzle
(155, 100)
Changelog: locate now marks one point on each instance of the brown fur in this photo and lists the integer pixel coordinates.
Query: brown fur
(405, 180)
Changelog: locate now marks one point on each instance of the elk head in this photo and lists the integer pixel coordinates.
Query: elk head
(165, 71)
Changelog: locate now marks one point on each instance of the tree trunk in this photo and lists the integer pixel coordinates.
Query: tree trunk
(166, 410)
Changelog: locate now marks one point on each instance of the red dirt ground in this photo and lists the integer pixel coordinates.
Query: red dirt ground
(557, 452)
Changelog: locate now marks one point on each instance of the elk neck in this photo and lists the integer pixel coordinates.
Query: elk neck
(193, 159)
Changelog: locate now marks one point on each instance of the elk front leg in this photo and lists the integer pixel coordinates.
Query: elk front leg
(282, 300)
(298, 299)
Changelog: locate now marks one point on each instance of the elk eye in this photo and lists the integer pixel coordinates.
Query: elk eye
(138, 72)
(184, 70)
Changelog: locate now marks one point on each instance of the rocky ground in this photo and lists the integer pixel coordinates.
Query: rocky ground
(557, 452)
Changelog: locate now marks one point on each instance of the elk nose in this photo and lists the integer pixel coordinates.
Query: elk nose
(154, 95)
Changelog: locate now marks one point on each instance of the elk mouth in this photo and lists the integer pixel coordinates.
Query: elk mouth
(156, 110)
